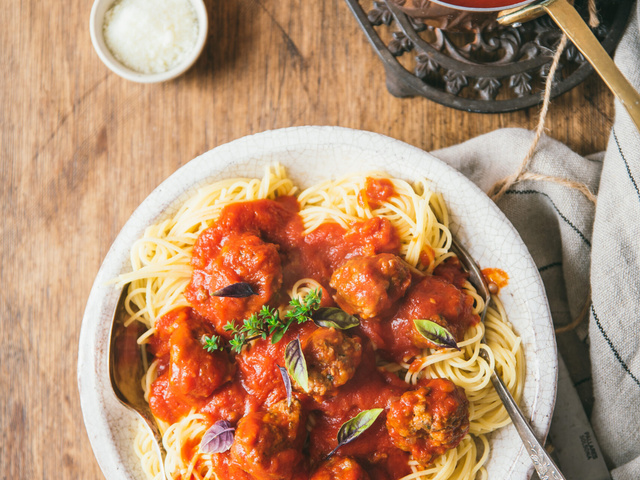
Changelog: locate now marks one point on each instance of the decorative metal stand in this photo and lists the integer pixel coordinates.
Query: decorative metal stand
(488, 70)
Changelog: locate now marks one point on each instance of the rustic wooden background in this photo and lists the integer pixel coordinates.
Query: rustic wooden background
(81, 148)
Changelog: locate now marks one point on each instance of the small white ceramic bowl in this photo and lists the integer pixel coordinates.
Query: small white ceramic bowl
(96, 23)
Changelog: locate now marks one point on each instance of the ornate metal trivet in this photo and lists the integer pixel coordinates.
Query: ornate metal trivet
(489, 69)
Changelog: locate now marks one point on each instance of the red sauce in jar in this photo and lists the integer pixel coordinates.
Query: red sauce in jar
(262, 243)
(483, 3)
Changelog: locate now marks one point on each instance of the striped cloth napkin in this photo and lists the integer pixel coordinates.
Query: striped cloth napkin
(579, 246)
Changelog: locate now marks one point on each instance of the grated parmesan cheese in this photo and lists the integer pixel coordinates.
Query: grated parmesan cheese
(150, 36)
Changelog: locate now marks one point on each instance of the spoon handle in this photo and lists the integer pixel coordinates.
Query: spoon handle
(544, 465)
(126, 371)
(571, 23)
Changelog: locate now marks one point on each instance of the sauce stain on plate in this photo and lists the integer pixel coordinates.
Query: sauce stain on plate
(495, 278)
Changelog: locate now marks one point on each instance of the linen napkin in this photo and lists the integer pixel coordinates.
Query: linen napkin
(577, 245)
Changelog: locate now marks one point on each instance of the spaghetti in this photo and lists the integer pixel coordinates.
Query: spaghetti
(162, 269)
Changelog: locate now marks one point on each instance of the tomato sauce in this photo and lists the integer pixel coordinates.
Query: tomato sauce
(483, 3)
(370, 388)
(433, 296)
(375, 192)
(497, 277)
(262, 243)
(427, 256)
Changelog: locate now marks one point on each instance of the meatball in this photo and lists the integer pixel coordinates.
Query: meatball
(430, 420)
(187, 372)
(368, 286)
(436, 299)
(332, 358)
(192, 370)
(268, 445)
(239, 258)
(339, 468)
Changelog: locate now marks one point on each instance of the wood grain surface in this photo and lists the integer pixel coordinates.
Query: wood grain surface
(81, 148)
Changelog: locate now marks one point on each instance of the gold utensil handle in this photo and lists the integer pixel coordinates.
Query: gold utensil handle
(572, 24)
(574, 27)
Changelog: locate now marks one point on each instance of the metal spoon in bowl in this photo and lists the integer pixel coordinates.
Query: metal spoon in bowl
(542, 462)
(126, 372)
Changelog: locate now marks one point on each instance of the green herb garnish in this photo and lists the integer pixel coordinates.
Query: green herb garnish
(211, 344)
(436, 333)
(352, 429)
(334, 318)
(268, 322)
(300, 312)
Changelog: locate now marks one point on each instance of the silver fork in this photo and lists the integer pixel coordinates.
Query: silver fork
(544, 465)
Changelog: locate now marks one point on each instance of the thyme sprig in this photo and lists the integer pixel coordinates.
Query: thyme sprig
(267, 322)
(300, 312)
(211, 344)
(258, 325)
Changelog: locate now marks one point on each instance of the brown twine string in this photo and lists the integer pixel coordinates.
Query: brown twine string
(499, 188)
(579, 319)
(497, 191)
(594, 21)
(581, 187)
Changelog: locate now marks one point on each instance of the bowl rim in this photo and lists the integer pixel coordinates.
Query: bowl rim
(96, 18)
(100, 408)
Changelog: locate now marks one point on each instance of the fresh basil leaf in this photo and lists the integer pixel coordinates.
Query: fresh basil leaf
(235, 290)
(331, 317)
(296, 364)
(352, 429)
(287, 383)
(218, 438)
(436, 334)
(277, 335)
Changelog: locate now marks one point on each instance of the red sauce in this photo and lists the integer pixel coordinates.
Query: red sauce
(427, 256)
(188, 375)
(497, 277)
(370, 388)
(483, 3)
(376, 191)
(262, 243)
(432, 296)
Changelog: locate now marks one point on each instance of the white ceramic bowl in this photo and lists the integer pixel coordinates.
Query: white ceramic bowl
(96, 23)
(313, 154)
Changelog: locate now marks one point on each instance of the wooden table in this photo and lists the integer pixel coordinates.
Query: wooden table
(81, 148)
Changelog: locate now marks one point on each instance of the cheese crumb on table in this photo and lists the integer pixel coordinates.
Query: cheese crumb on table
(150, 36)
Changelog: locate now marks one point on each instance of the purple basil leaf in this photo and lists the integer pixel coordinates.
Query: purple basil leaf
(352, 429)
(218, 438)
(287, 383)
(296, 364)
(235, 290)
(436, 334)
